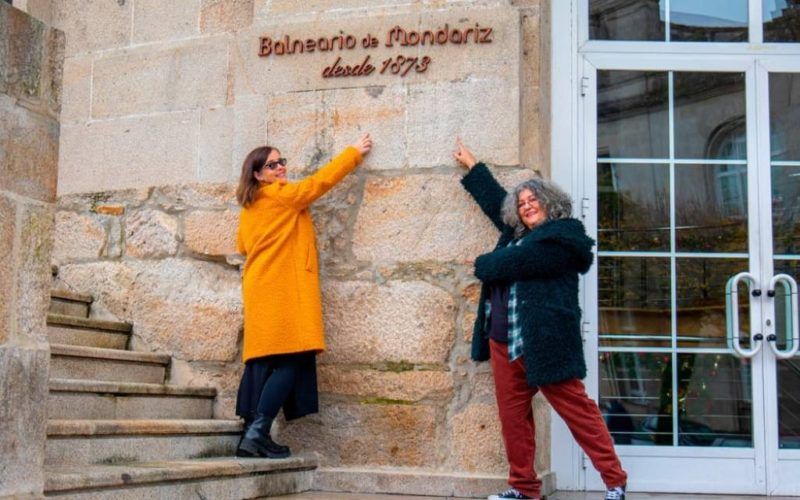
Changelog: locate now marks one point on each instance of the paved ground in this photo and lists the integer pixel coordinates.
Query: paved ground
(567, 495)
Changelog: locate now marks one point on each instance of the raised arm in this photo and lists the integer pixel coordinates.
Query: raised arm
(487, 192)
(300, 195)
(480, 183)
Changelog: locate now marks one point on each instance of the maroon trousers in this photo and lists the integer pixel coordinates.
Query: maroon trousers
(570, 401)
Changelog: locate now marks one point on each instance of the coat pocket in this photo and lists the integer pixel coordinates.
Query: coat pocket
(558, 330)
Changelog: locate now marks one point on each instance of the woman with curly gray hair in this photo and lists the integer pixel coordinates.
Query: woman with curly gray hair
(528, 322)
(554, 203)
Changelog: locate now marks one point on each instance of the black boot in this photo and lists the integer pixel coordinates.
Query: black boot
(245, 425)
(258, 443)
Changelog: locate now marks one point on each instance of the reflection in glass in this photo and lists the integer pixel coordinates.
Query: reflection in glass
(708, 21)
(710, 116)
(633, 206)
(634, 301)
(714, 401)
(788, 370)
(711, 208)
(626, 20)
(783, 298)
(789, 403)
(636, 397)
(781, 20)
(701, 301)
(632, 114)
(786, 210)
(784, 115)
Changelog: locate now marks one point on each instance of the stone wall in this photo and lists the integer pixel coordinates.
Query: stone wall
(175, 92)
(30, 84)
(162, 102)
(397, 386)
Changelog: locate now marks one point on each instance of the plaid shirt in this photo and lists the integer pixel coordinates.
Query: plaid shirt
(514, 330)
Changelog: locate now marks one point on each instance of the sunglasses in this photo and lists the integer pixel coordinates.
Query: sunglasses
(272, 165)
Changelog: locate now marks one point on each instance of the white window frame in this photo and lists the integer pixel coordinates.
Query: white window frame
(570, 44)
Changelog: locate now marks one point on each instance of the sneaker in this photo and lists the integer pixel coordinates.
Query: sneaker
(615, 493)
(510, 493)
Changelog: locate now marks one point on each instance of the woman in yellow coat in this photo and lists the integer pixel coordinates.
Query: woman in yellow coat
(280, 287)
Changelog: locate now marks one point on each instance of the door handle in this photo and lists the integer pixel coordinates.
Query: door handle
(792, 333)
(732, 317)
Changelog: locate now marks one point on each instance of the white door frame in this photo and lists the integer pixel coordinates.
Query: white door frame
(566, 457)
(701, 469)
(572, 56)
(785, 463)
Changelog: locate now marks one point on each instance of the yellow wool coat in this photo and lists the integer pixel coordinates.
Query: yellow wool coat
(280, 285)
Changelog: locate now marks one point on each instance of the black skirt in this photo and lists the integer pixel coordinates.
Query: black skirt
(302, 400)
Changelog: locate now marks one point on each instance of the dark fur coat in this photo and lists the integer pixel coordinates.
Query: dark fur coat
(545, 266)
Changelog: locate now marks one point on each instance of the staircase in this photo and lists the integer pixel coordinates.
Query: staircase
(117, 430)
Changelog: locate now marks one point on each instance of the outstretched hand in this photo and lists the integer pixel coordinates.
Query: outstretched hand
(363, 144)
(463, 155)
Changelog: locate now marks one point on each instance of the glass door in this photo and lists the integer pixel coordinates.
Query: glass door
(676, 221)
(688, 173)
(779, 144)
(695, 176)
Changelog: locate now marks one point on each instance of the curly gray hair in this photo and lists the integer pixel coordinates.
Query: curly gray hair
(555, 202)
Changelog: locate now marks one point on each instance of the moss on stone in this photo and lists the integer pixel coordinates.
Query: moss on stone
(117, 460)
(385, 401)
(397, 366)
(98, 198)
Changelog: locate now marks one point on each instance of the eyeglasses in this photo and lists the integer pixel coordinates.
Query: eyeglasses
(272, 165)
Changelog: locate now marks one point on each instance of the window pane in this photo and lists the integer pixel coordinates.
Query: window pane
(634, 301)
(636, 397)
(783, 303)
(634, 207)
(788, 370)
(632, 114)
(781, 20)
(711, 208)
(626, 20)
(784, 115)
(708, 21)
(786, 210)
(710, 116)
(714, 401)
(788, 404)
(701, 301)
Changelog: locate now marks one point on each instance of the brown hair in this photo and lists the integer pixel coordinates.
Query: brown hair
(248, 184)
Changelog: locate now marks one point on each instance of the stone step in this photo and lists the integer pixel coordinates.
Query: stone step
(97, 400)
(68, 303)
(111, 365)
(87, 332)
(200, 478)
(97, 442)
